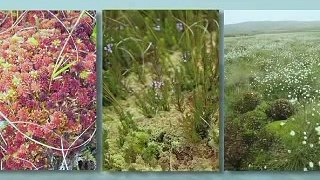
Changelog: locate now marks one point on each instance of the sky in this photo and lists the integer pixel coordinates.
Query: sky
(238, 16)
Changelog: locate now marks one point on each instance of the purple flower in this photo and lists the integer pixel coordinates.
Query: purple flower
(179, 26)
(157, 84)
(108, 48)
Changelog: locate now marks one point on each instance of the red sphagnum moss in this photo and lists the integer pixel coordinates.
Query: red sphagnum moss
(47, 88)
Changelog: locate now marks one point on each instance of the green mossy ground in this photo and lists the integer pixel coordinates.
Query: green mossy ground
(196, 154)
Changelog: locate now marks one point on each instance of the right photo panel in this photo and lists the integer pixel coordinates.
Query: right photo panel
(272, 90)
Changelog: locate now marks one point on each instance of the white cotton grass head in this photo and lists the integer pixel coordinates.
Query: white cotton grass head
(311, 145)
(311, 165)
(318, 130)
(292, 133)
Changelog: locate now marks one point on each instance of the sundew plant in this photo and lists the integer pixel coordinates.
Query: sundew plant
(47, 90)
(272, 101)
(160, 90)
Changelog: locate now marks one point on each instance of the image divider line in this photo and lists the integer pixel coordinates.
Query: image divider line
(221, 91)
(99, 91)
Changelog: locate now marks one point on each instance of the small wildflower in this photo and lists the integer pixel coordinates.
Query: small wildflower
(108, 48)
(157, 84)
(179, 26)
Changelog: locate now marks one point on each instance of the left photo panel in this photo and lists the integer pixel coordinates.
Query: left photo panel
(47, 90)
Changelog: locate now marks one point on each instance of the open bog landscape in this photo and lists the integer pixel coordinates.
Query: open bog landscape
(272, 96)
(160, 90)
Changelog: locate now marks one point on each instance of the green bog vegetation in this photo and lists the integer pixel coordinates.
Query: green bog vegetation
(272, 97)
(160, 90)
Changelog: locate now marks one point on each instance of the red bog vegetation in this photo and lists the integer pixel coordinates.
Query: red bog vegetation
(47, 88)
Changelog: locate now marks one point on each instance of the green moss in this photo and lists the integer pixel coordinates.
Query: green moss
(151, 152)
(16, 81)
(248, 101)
(33, 41)
(280, 109)
(84, 74)
(56, 42)
(134, 145)
(117, 162)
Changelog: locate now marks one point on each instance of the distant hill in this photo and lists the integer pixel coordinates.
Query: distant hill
(261, 27)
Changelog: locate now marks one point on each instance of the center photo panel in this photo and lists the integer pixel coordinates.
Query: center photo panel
(161, 90)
